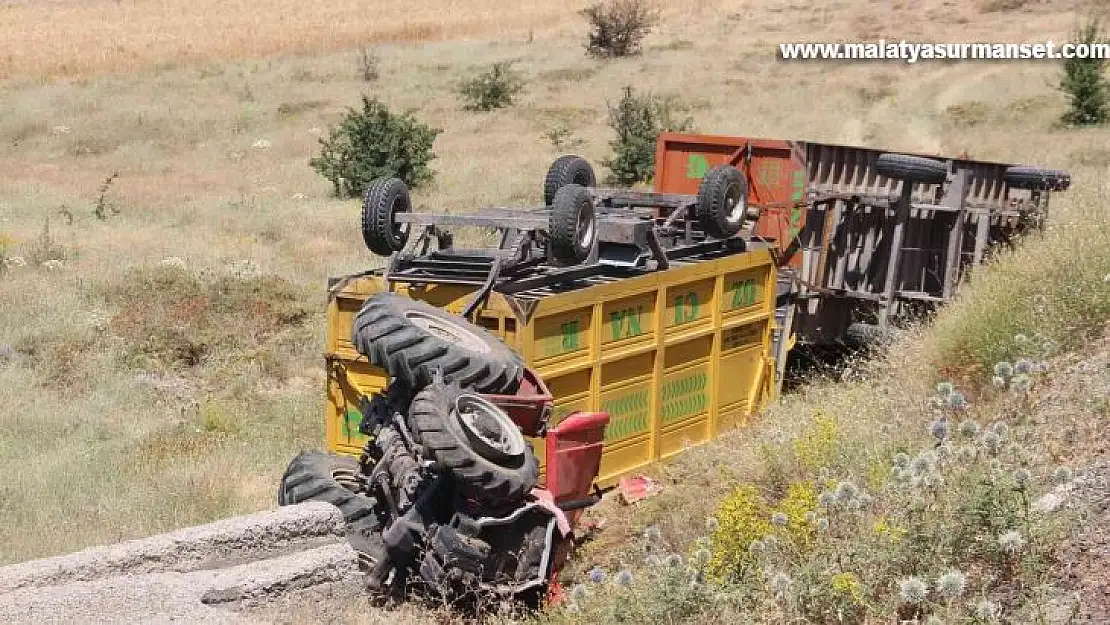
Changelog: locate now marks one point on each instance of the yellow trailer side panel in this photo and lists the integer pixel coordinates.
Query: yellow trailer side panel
(674, 356)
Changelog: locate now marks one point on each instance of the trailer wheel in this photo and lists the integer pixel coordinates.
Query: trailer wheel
(1037, 179)
(566, 170)
(384, 198)
(722, 201)
(572, 224)
(411, 340)
(474, 442)
(911, 168)
(319, 476)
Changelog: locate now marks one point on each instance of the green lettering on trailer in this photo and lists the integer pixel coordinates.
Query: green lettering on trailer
(685, 308)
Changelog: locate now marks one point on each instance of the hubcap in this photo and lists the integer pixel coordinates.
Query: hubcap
(736, 203)
(584, 229)
(492, 433)
(452, 333)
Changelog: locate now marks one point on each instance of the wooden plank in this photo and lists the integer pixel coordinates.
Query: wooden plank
(954, 197)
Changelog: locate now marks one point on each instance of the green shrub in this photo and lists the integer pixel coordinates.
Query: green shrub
(637, 121)
(492, 89)
(1085, 83)
(617, 27)
(372, 143)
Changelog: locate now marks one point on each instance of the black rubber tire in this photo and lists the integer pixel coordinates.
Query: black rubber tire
(911, 168)
(385, 333)
(1037, 179)
(566, 170)
(866, 334)
(572, 224)
(505, 482)
(319, 476)
(384, 198)
(721, 190)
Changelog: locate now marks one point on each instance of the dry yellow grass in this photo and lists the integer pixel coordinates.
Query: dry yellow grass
(212, 157)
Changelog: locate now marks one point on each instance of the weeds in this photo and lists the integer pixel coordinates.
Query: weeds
(368, 63)
(493, 89)
(618, 27)
(372, 143)
(637, 120)
(562, 137)
(1085, 83)
(104, 208)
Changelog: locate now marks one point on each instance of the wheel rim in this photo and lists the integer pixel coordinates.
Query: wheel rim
(450, 332)
(584, 228)
(491, 432)
(736, 203)
(400, 231)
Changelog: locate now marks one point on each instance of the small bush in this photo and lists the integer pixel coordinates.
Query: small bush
(617, 27)
(1085, 83)
(638, 120)
(562, 137)
(492, 89)
(368, 65)
(372, 143)
(104, 208)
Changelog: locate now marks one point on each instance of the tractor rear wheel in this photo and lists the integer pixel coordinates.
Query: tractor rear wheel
(566, 170)
(411, 340)
(319, 476)
(474, 442)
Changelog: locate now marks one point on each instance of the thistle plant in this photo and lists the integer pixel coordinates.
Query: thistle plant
(597, 575)
(780, 584)
(912, 590)
(945, 389)
(780, 519)
(1011, 542)
(846, 491)
(624, 578)
(1062, 475)
(1003, 370)
(939, 428)
(951, 584)
(969, 429)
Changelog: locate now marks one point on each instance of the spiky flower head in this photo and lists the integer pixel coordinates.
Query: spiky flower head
(924, 463)
(991, 442)
(968, 453)
(932, 481)
(653, 534)
(1011, 542)
(822, 525)
(826, 499)
(951, 584)
(912, 590)
(846, 491)
(998, 382)
(901, 460)
(756, 547)
(1003, 369)
(944, 452)
(1023, 477)
(944, 389)
(957, 401)
(780, 518)
(780, 585)
(824, 473)
(673, 561)
(702, 557)
(1062, 475)
(969, 429)
(1020, 339)
(987, 610)
(1021, 383)
(1023, 366)
(1000, 428)
(597, 575)
(939, 428)
(770, 541)
(810, 517)
(579, 593)
(624, 578)
(1040, 368)
(711, 524)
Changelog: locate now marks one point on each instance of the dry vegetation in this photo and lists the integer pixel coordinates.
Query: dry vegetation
(159, 366)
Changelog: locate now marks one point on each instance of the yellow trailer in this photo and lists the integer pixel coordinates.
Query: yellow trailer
(675, 356)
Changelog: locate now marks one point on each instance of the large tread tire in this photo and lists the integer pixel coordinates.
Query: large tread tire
(384, 198)
(385, 332)
(319, 476)
(566, 170)
(572, 224)
(867, 334)
(501, 483)
(911, 168)
(722, 202)
(1037, 179)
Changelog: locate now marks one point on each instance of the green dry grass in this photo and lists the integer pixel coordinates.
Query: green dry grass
(142, 398)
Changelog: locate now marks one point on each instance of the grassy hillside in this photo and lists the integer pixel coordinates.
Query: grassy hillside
(159, 366)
